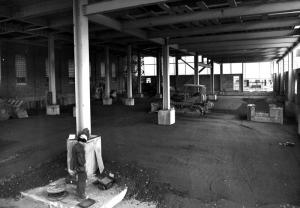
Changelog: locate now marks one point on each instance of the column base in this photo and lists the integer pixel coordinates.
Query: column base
(166, 117)
(139, 95)
(128, 101)
(158, 96)
(52, 110)
(107, 101)
(212, 97)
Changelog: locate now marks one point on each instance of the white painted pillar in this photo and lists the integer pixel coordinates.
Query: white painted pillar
(129, 100)
(166, 116)
(107, 100)
(51, 67)
(166, 77)
(82, 75)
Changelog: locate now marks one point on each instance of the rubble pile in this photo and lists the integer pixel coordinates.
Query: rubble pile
(12, 108)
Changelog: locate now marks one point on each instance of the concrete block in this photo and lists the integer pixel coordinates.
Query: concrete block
(93, 154)
(139, 95)
(166, 117)
(107, 101)
(250, 111)
(128, 101)
(212, 97)
(52, 110)
(277, 114)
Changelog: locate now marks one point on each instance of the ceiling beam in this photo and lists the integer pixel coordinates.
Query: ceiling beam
(113, 5)
(43, 8)
(116, 25)
(229, 48)
(238, 36)
(247, 10)
(268, 24)
(238, 43)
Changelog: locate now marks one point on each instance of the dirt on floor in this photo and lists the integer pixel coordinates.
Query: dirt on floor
(213, 161)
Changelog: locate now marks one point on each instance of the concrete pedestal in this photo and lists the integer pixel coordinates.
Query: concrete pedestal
(139, 95)
(212, 97)
(52, 110)
(107, 101)
(93, 154)
(166, 117)
(128, 101)
(158, 96)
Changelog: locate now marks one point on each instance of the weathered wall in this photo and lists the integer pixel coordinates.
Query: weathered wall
(36, 87)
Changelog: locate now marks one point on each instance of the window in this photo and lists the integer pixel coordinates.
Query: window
(21, 71)
(236, 68)
(296, 57)
(216, 68)
(286, 63)
(113, 70)
(183, 68)
(71, 71)
(226, 69)
(172, 66)
(149, 66)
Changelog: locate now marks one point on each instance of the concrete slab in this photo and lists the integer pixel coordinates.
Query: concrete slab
(128, 101)
(104, 199)
(107, 101)
(166, 117)
(52, 110)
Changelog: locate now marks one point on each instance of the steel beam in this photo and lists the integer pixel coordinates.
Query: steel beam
(247, 10)
(113, 5)
(276, 35)
(247, 26)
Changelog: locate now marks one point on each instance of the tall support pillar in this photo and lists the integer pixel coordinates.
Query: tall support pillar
(107, 99)
(82, 76)
(158, 74)
(176, 70)
(196, 71)
(212, 79)
(129, 100)
(52, 107)
(221, 77)
(166, 116)
(139, 69)
(242, 79)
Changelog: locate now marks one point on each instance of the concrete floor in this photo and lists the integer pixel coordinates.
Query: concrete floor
(216, 161)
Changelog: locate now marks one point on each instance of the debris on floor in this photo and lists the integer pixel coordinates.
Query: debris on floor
(12, 108)
(287, 144)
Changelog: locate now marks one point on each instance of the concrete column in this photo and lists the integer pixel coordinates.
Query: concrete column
(221, 77)
(196, 71)
(52, 108)
(82, 76)
(212, 79)
(176, 70)
(242, 78)
(107, 100)
(129, 100)
(166, 116)
(158, 74)
(139, 69)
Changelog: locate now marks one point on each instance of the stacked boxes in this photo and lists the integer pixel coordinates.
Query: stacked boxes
(275, 114)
